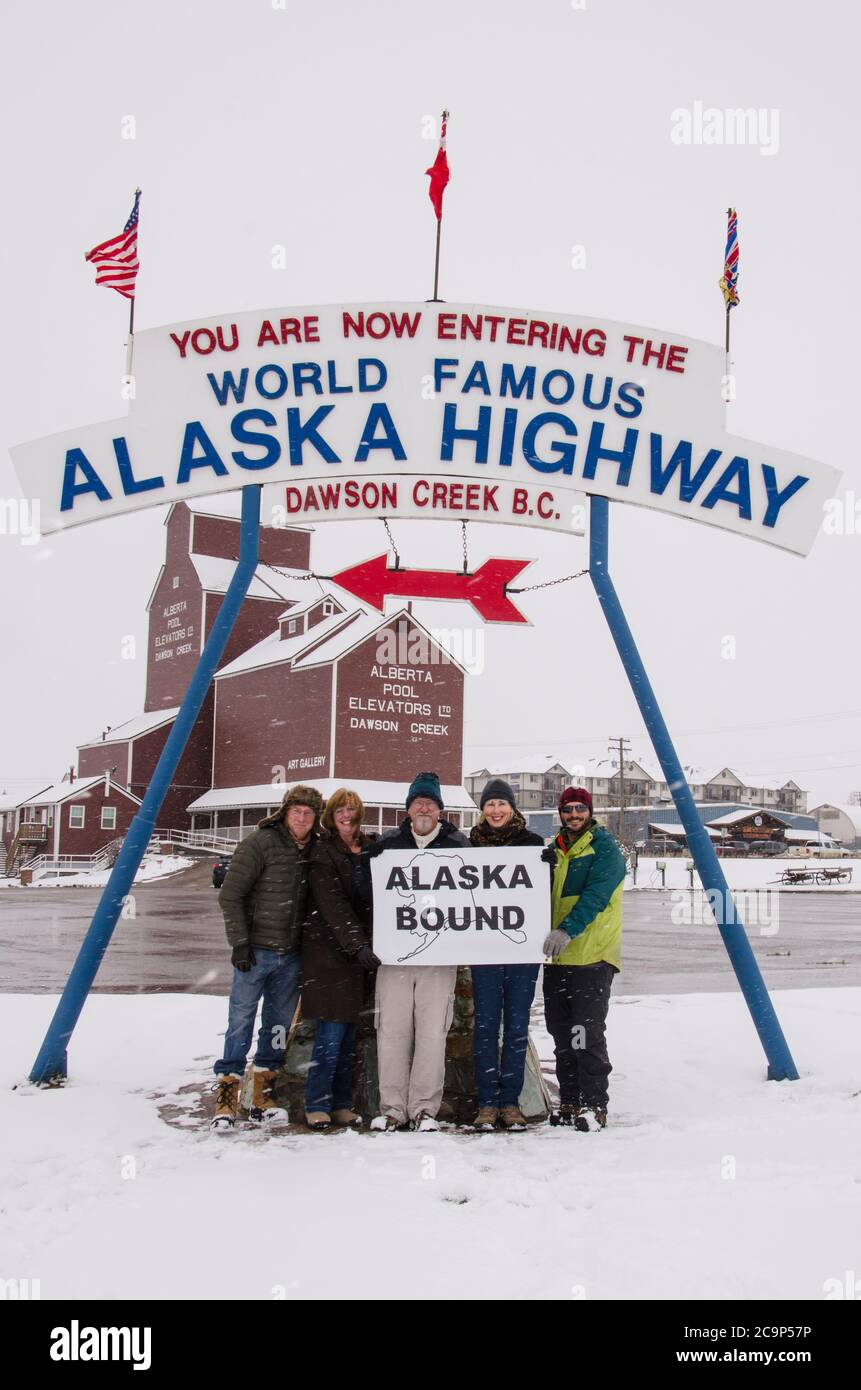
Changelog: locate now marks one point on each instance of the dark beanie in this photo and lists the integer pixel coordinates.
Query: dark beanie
(425, 784)
(497, 789)
(575, 794)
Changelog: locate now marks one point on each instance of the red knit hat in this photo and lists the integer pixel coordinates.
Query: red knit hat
(575, 794)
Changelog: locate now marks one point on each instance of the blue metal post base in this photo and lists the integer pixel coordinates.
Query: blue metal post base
(781, 1067)
(51, 1063)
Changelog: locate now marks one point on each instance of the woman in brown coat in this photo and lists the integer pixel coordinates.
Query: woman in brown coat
(336, 956)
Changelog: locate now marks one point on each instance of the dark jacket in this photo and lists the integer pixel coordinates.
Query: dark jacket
(521, 837)
(265, 891)
(334, 985)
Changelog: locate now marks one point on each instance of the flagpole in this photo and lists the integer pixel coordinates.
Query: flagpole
(130, 346)
(435, 299)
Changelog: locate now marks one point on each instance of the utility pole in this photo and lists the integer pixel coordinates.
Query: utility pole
(620, 746)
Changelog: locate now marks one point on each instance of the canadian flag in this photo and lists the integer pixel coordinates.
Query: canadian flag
(439, 172)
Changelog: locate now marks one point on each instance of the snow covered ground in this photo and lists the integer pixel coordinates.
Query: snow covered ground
(153, 866)
(742, 873)
(710, 1182)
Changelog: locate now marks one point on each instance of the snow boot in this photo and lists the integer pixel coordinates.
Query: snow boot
(425, 1123)
(387, 1123)
(318, 1119)
(346, 1117)
(226, 1101)
(565, 1115)
(512, 1117)
(590, 1119)
(487, 1117)
(264, 1105)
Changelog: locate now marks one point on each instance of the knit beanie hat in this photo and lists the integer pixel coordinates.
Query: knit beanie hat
(497, 789)
(576, 794)
(425, 784)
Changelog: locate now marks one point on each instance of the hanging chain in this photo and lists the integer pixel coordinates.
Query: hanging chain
(547, 583)
(288, 574)
(392, 543)
(465, 556)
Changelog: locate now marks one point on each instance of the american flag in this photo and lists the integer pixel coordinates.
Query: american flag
(729, 282)
(116, 260)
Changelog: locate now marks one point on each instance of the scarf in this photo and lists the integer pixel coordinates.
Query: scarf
(484, 834)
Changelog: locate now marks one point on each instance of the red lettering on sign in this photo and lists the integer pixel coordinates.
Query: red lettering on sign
(445, 326)
(542, 510)
(676, 354)
(519, 501)
(421, 501)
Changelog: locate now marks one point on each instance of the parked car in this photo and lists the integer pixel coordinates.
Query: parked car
(219, 869)
(768, 847)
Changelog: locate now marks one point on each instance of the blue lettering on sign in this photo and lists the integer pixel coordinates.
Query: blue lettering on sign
(299, 434)
(681, 459)
(280, 382)
(739, 470)
(565, 451)
(267, 442)
(776, 497)
(130, 483)
(441, 372)
(379, 415)
(76, 459)
(509, 434)
(195, 434)
(382, 374)
(229, 384)
(595, 452)
(477, 379)
(626, 390)
(509, 385)
(450, 433)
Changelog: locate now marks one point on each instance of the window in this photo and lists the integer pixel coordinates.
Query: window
(176, 581)
(76, 817)
(328, 608)
(291, 626)
(109, 817)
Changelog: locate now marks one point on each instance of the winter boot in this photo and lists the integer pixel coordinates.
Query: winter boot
(264, 1105)
(425, 1123)
(565, 1115)
(487, 1117)
(346, 1117)
(512, 1117)
(387, 1123)
(590, 1119)
(226, 1101)
(318, 1119)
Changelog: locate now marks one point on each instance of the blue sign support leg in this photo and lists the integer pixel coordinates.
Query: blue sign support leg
(51, 1063)
(781, 1067)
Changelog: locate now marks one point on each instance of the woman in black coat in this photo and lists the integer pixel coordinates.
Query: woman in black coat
(502, 994)
(336, 959)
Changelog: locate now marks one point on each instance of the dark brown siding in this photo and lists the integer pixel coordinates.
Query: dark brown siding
(397, 754)
(272, 718)
(215, 535)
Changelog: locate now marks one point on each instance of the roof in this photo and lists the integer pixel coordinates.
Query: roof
(82, 786)
(135, 727)
(372, 793)
(10, 800)
(676, 828)
(853, 813)
(733, 817)
(274, 649)
(215, 574)
(805, 837)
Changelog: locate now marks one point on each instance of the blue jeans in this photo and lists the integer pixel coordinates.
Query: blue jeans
(330, 1077)
(502, 994)
(276, 977)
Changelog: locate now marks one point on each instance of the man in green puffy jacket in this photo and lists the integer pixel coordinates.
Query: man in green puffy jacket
(263, 900)
(584, 950)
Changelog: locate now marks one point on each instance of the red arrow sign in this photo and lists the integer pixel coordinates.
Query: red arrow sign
(485, 590)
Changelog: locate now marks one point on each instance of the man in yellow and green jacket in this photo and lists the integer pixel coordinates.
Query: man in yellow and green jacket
(585, 952)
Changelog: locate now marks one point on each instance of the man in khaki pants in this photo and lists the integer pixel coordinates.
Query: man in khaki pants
(415, 1003)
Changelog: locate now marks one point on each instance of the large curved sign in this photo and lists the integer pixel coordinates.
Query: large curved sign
(428, 410)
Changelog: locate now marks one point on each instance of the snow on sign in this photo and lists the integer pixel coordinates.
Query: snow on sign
(464, 411)
(461, 906)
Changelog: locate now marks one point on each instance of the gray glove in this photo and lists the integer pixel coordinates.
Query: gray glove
(555, 943)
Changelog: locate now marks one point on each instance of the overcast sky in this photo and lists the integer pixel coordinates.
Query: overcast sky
(258, 125)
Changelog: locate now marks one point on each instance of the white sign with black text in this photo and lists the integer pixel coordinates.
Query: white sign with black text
(461, 906)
